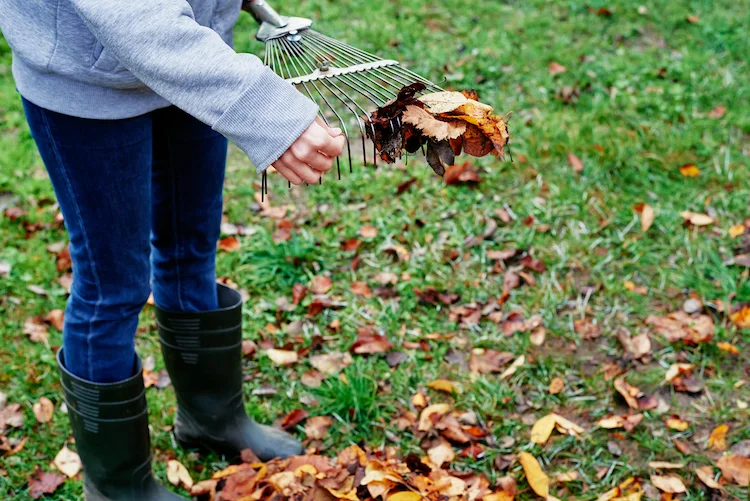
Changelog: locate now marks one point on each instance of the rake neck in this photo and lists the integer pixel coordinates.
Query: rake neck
(264, 13)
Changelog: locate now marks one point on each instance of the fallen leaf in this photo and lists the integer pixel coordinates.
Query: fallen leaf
(542, 429)
(637, 346)
(229, 244)
(41, 483)
(670, 484)
(693, 19)
(680, 326)
(537, 336)
(444, 385)
(674, 422)
(386, 277)
(56, 318)
(556, 385)
(689, 170)
(717, 112)
(556, 68)
(293, 419)
(461, 174)
(697, 219)
(68, 462)
(370, 341)
(706, 475)
(43, 410)
(717, 439)
(321, 284)
(368, 231)
(177, 474)
(626, 421)
(443, 102)
(537, 479)
(282, 357)
(331, 363)
(405, 496)
(735, 469)
(741, 318)
(629, 392)
(632, 287)
(361, 289)
(647, 215)
(442, 453)
(575, 162)
(36, 330)
(736, 230)
(677, 369)
(430, 415)
(430, 126)
(568, 476)
(513, 367)
(665, 465)
(317, 427)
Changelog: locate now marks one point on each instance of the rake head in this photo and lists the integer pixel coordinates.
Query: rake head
(347, 83)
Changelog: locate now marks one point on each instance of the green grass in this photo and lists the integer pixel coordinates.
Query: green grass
(646, 81)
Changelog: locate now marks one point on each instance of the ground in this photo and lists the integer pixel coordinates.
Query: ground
(640, 97)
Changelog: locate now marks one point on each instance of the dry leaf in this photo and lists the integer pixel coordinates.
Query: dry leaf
(697, 219)
(647, 215)
(677, 369)
(430, 414)
(706, 475)
(537, 479)
(229, 244)
(575, 162)
(717, 439)
(674, 422)
(36, 330)
(556, 385)
(629, 392)
(68, 462)
(513, 367)
(361, 289)
(717, 112)
(369, 341)
(368, 231)
(680, 326)
(736, 230)
(690, 170)
(735, 469)
(43, 410)
(177, 474)
(321, 284)
(442, 453)
(741, 318)
(431, 126)
(444, 385)
(664, 465)
(542, 429)
(282, 357)
(56, 318)
(41, 483)
(331, 363)
(443, 102)
(626, 421)
(556, 68)
(670, 484)
(317, 427)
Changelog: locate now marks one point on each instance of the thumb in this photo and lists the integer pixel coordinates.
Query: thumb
(332, 131)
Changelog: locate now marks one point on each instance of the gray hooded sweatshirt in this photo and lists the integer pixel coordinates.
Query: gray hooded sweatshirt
(114, 59)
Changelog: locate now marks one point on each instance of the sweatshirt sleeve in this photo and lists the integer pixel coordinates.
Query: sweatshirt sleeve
(190, 65)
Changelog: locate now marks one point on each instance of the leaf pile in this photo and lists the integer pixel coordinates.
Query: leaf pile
(448, 123)
(354, 475)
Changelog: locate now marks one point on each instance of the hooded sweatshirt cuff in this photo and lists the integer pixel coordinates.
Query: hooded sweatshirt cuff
(267, 118)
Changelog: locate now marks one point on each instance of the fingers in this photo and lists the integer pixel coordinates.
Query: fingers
(288, 173)
(300, 168)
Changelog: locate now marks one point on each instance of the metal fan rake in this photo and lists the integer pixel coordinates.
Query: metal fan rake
(346, 82)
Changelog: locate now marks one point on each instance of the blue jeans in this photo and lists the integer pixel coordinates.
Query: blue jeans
(142, 202)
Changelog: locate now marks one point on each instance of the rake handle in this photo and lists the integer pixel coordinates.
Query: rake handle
(264, 13)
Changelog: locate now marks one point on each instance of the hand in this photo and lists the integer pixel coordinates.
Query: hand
(312, 154)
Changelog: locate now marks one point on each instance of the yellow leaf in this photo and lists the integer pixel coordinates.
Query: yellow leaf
(282, 357)
(405, 496)
(689, 170)
(729, 348)
(742, 318)
(697, 219)
(542, 429)
(443, 102)
(513, 367)
(674, 422)
(706, 475)
(444, 385)
(717, 439)
(736, 230)
(664, 465)
(537, 479)
(498, 496)
(177, 474)
(677, 369)
(425, 418)
(568, 476)
(556, 385)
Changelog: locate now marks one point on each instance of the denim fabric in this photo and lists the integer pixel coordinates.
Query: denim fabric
(142, 202)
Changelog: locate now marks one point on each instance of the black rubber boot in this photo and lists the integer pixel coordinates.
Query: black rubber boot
(203, 355)
(110, 425)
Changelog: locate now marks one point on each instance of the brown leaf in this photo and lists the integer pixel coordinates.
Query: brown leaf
(316, 427)
(331, 363)
(56, 318)
(537, 479)
(41, 483)
(293, 418)
(299, 292)
(432, 127)
(12, 416)
(361, 289)
(637, 346)
(556, 68)
(670, 484)
(697, 219)
(647, 215)
(350, 245)
(386, 277)
(282, 357)
(735, 469)
(229, 244)
(321, 284)
(575, 162)
(690, 170)
(461, 174)
(706, 475)
(587, 329)
(741, 318)
(717, 112)
(693, 19)
(36, 330)
(626, 421)
(486, 361)
(430, 415)
(441, 453)
(679, 326)
(368, 231)
(43, 410)
(370, 341)
(556, 385)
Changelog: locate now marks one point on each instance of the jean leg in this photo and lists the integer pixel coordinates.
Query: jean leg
(189, 159)
(101, 173)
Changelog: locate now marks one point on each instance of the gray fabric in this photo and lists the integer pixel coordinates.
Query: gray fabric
(113, 59)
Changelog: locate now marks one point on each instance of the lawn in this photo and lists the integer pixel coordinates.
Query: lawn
(654, 100)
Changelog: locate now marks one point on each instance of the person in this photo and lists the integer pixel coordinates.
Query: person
(131, 105)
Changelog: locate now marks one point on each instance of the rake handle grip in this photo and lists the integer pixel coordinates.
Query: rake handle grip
(264, 13)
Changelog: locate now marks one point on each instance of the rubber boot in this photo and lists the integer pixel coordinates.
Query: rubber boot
(110, 425)
(203, 355)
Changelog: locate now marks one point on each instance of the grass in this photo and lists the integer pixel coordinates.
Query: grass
(647, 80)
